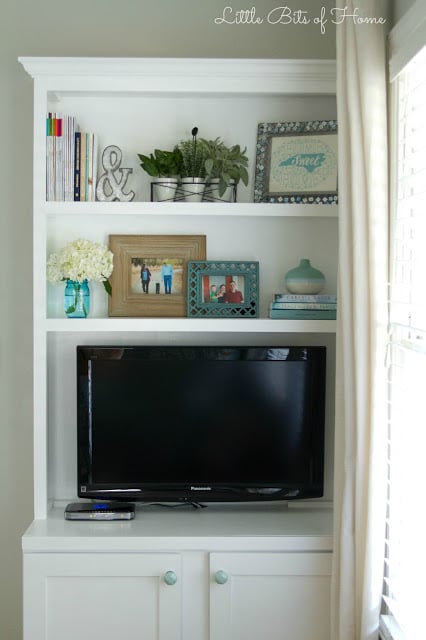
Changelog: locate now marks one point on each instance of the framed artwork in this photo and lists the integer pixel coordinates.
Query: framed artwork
(296, 162)
(223, 289)
(150, 274)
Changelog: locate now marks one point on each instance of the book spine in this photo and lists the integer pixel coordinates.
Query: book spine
(53, 176)
(90, 167)
(59, 158)
(86, 177)
(69, 148)
(299, 297)
(303, 305)
(95, 165)
(77, 152)
(65, 125)
(302, 314)
(49, 156)
(83, 167)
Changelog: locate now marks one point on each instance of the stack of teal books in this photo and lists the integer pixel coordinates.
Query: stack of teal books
(294, 306)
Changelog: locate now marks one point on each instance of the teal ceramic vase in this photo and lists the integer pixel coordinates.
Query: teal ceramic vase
(304, 279)
(77, 299)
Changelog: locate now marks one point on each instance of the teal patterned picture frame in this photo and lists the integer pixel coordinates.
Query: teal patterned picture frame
(296, 162)
(223, 289)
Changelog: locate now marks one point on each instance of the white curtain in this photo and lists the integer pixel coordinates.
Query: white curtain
(360, 441)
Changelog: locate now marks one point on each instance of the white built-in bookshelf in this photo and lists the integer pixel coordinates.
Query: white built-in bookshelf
(263, 552)
(139, 105)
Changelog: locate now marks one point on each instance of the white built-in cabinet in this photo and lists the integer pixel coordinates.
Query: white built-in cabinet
(223, 573)
(266, 595)
(85, 596)
(270, 595)
(100, 580)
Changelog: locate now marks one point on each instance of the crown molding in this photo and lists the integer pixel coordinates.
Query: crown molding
(199, 75)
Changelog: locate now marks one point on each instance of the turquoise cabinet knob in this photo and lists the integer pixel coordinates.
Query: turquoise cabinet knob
(221, 576)
(170, 578)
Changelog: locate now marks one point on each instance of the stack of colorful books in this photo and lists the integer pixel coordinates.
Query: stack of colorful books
(71, 160)
(293, 306)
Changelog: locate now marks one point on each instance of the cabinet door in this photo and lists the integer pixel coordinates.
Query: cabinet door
(270, 596)
(102, 596)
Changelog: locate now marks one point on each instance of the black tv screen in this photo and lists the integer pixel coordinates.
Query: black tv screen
(200, 424)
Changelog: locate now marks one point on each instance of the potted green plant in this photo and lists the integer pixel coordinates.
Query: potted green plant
(165, 168)
(224, 167)
(193, 170)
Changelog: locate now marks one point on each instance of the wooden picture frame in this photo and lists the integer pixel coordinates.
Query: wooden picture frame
(296, 162)
(166, 258)
(223, 289)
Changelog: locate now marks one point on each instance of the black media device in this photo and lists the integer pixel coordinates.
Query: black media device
(200, 424)
(99, 511)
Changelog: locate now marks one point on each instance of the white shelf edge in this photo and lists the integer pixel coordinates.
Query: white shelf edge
(179, 209)
(187, 325)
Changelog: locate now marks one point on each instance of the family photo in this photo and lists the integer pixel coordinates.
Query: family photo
(157, 276)
(223, 289)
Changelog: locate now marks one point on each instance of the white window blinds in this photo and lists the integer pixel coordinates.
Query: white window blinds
(406, 532)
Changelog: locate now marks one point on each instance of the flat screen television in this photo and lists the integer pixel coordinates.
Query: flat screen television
(200, 424)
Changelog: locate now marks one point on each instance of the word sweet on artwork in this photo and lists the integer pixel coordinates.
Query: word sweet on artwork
(308, 161)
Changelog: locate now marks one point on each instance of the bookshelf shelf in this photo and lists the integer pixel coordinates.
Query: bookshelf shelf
(188, 325)
(178, 209)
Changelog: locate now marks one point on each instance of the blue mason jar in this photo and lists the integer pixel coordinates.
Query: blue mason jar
(77, 299)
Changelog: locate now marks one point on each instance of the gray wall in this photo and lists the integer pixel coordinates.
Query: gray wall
(400, 7)
(85, 28)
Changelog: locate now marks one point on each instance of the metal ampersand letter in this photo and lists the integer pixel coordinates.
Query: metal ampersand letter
(111, 184)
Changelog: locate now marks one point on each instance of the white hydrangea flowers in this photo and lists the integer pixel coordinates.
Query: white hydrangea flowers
(81, 260)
